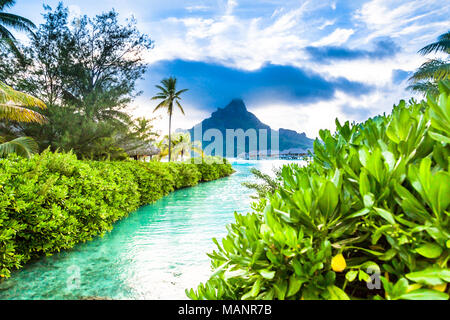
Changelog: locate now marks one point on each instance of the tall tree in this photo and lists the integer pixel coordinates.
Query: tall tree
(85, 69)
(170, 96)
(425, 79)
(10, 20)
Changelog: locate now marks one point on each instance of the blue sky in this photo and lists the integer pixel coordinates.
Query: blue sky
(297, 64)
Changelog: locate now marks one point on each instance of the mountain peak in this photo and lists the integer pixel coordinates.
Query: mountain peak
(236, 105)
(236, 116)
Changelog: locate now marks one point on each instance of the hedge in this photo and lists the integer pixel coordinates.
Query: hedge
(54, 201)
(368, 218)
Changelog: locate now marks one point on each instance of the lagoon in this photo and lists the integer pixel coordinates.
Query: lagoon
(154, 253)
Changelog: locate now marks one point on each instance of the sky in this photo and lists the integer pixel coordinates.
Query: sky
(297, 64)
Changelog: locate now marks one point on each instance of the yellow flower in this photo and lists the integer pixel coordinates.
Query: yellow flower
(338, 263)
(440, 287)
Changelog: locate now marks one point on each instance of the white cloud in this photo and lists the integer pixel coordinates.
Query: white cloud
(336, 38)
(231, 40)
(280, 37)
(326, 24)
(394, 18)
(231, 4)
(311, 118)
(74, 11)
(197, 8)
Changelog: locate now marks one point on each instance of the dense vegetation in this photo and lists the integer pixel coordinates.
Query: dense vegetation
(85, 70)
(53, 201)
(368, 218)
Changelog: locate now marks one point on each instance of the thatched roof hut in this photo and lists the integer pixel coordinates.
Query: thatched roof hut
(144, 151)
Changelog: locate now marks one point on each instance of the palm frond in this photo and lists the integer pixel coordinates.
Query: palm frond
(424, 87)
(20, 114)
(23, 146)
(14, 106)
(161, 105)
(443, 45)
(159, 97)
(9, 95)
(17, 22)
(4, 4)
(180, 107)
(180, 92)
(435, 69)
(163, 90)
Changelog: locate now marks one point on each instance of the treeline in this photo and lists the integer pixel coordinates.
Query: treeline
(53, 201)
(85, 70)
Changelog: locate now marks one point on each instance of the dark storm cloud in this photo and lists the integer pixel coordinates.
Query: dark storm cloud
(212, 85)
(382, 49)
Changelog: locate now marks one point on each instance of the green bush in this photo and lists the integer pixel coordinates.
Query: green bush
(373, 205)
(187, 174)
(54, 201)
(212, 168)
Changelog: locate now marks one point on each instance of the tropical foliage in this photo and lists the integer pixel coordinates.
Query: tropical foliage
(264, 183)
(182, 147)
(425, 79)
(170, 97)
(15, 106)
(368, 218)
(53, 201)
(85, 69)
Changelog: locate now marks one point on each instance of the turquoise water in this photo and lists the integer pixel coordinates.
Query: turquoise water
(155, 253)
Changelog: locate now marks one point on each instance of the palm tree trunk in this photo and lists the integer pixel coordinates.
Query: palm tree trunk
(170, 136)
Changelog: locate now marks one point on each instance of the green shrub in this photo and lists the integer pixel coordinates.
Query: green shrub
(187, 174)
(212, 168)
(372, 205)
(54, 201)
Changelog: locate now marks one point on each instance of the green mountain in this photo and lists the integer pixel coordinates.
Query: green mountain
(236, 116)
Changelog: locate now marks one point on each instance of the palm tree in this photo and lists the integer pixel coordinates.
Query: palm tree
(170, 96)
(425, 79)
(13, 21)
(183, 145)
(14, 107)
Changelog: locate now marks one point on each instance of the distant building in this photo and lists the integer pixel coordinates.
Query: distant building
(144, 153)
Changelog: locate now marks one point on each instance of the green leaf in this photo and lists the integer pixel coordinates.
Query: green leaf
(329, 199)
(424, 294)
(385, 215)
(267, 274)
(359, 213)
(400, 287)
(294, 285)
(256, 287)
(362, 276)
(430, 250)
(369, 200)
(351, 275)
(337, 293)
(430, 276)
(439, 137)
